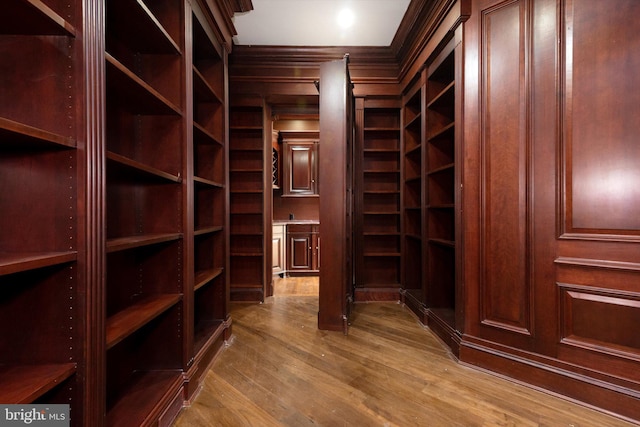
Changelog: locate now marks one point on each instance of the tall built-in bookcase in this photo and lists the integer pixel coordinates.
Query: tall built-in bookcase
(378, 260)
(250, 181)
(441, 195)
(413, 196)
(145, 189)
(42, 153)
(209, 184)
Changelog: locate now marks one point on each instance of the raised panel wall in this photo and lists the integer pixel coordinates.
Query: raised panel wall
(505, 157)
(600, 120)
(552, 259)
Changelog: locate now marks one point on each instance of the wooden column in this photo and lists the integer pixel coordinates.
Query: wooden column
(335, 154)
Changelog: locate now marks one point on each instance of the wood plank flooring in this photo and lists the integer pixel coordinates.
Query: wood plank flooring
(280, 370)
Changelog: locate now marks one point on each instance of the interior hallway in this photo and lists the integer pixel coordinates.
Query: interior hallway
(280, 370)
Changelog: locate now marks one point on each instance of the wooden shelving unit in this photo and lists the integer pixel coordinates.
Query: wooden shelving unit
(210, 291)
(378, 257)
(413, 122)
(43, 186)
(145, 187)
(440, 179)
(249, 169)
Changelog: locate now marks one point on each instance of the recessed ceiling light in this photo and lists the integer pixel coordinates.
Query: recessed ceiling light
(346, 18)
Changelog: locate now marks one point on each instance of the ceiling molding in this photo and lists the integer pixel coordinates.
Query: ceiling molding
(220, 15)
(240, 6)
(312, 55)
(290, 70)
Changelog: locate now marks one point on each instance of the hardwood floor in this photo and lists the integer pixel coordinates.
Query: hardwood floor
(280, 370)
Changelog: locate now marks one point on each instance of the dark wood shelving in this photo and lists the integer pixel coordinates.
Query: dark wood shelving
(413, 151)
(128, 321)
(19, 135)
(209, 322)
(377, 262)
(443, 242)
(381, 192)
(234, 170)
(139, 168)
(206, 333)
(22, 384)
(439, 132)
(133, 93)
(15, 262)
(202, 135)
(380, 171)
(440, 178)
(442, 206)
(382, 254)
(249, 169)
(443, 168)
(412, 194)
(96, 139)
(444, 97)
(42, 175)
(140, 28)
(257, 128)
(381, 213)
(381, 129)
(202, 89)
(208, 230)
(246, 233)
(247, 254)
(207, 182)
(381, 150)
(142, 397)
(131, 242)
(41, 19)
(205, 276)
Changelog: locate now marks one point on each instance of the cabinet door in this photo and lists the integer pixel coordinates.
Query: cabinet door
(315, 261)
(278, 251)
(300, 258)
(300, 169)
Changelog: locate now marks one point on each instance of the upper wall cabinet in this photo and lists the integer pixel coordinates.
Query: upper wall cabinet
(300, 168)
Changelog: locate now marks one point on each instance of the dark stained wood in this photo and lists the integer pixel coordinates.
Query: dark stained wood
(280, 370)
(300, 168)
(250, 199)
(21, 135)
(25, 384)
(147, 100)
(15, 262)
(131, 242)
(335, 187)
(550, 271)
(124, 323)
(41, 18)
(377, 200)
(142, 29)
(149, 395)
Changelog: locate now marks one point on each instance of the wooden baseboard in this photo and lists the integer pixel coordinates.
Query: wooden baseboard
(246, 295)
(445, 332)
(376, 294)
(554, 377)
(203, 360)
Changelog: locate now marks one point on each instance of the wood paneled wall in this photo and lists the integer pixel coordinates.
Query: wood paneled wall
(552, 206)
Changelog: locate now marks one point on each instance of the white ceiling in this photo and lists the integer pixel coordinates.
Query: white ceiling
(315, 22)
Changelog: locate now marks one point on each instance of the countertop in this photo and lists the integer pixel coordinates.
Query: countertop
(296, 221)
